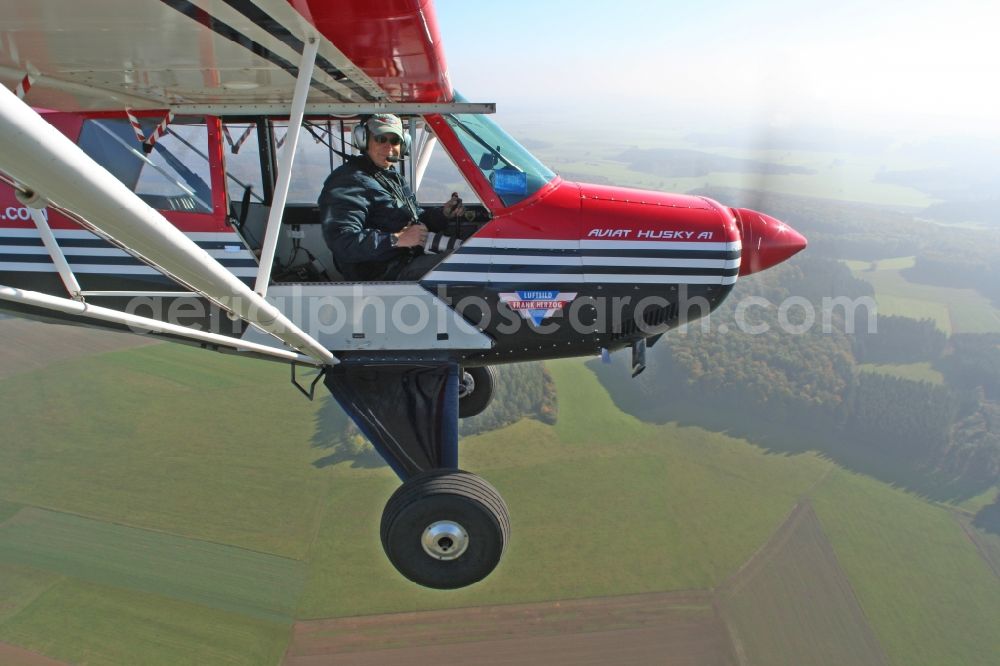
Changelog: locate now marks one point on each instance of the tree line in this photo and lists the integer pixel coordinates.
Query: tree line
(899, 340)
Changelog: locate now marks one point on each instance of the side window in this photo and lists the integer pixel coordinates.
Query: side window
(242, 156)
(319, 152)
(314, 157)
(174, 176)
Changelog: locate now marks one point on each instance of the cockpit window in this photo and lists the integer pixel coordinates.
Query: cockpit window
(512, 171)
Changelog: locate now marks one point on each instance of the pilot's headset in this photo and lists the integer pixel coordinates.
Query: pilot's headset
(359, 136)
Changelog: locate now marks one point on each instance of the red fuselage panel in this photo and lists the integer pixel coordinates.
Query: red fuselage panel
(619, 213)
(579, 211)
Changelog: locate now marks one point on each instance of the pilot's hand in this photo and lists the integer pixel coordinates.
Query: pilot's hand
(412, 236)
(453, 207)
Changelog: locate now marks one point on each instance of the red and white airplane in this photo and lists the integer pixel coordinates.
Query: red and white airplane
(155, 154)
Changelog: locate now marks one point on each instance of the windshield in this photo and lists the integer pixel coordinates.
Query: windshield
(512, 171)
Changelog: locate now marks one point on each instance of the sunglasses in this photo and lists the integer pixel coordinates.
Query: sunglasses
(388, 138)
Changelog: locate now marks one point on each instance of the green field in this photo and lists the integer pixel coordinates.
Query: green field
(20, 586)
(8, 510)
(772, 606)
(975, 503)
(920, 372)
(927, 593)
(96, 624)
(900, 567)
(170, 511)
(953, 310)
(689, 505)
(168, 438)
(893, 264)
(210, 574)
(159, 438)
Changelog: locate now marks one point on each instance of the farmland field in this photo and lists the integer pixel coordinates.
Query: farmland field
(688, 505)
(920, 372)
(893, 264)
(673, 629)
(81, 622)
(163, 463)
(792, 604)
(210, 574)
(19, 586)
(29, 346)
(977, 502)
(7, 510)
(11, 655)
(162, 437)
(953, 310)
(927, 593)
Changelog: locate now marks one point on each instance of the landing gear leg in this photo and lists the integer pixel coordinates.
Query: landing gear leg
(443, 528)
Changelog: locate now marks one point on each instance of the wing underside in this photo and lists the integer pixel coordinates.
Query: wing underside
(155, 54)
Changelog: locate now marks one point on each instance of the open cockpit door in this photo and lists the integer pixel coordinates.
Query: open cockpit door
(249, 150)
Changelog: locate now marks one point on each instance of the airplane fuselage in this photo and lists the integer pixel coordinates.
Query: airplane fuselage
(567, 270)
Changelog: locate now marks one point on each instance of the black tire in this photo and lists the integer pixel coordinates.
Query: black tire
(450, 498)
(478, 385)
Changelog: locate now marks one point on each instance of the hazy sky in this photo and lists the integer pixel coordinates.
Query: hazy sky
(860, 64)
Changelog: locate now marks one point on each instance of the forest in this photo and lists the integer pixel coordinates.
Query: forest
(938, 439)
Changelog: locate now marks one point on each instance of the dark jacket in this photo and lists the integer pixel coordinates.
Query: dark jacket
(360, 207)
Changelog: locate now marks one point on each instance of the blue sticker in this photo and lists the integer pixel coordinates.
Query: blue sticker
(510, 181)
(536, 305)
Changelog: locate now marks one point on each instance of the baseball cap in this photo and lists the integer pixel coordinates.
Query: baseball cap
(385, 123)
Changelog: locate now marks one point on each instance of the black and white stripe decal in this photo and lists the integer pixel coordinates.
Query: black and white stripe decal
(22, 250)
(568, 262)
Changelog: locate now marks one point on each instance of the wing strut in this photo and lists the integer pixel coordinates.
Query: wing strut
(423, 158)
(52, 245)
(285, 166)
(31, 302)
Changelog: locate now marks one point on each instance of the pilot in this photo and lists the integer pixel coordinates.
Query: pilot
(371, 221)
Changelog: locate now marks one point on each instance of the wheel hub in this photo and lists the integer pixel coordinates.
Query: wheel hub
(466, 385)
(445, 540)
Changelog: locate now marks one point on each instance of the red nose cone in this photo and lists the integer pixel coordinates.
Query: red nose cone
(766, 241)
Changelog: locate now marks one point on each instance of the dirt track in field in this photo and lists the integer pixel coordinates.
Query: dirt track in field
(26, 345)
(989, 553)
(673, 629)
(11, 655)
